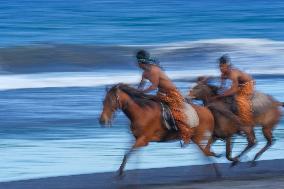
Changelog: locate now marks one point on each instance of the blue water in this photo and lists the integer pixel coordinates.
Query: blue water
(56, 57)
(137, 22)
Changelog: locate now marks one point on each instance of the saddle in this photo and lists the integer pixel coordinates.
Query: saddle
(168, 118)
(260, 103)
(231, 102)
(169, 121)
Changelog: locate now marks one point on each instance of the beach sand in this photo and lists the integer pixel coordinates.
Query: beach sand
(265, 181)
(267, 174)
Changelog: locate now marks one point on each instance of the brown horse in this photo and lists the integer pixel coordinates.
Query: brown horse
(147, 125)
(266, 114)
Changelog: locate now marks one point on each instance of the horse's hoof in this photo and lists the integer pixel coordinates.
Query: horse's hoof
(218, 155)
(212, 154)
(235, 162)
(183, 145)
(120, 174)
(253, 163)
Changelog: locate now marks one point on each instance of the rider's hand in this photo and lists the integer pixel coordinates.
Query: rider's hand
(215, 97)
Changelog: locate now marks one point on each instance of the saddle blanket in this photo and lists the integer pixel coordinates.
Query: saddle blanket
(192, 118)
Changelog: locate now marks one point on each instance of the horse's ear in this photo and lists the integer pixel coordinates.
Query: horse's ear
(202, 80)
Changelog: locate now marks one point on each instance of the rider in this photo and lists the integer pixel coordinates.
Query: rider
(167, 92)
(242, 87)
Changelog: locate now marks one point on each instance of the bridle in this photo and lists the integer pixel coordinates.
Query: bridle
(113, 103)
(117, 101)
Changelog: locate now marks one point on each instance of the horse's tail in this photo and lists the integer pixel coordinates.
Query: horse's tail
(280, 104)
(227, 113)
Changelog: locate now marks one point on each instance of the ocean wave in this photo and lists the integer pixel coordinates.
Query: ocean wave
(252, 44)
(98, 79)
(245, 52)
(78, 79)
(64, 79)
(41, 66)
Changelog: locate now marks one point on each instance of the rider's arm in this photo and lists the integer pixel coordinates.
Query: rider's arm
(234, 87)
(154, 79)
(142, 83)
(223, 78)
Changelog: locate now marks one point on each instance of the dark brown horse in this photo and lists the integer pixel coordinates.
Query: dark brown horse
(147, 125)
(266, 115)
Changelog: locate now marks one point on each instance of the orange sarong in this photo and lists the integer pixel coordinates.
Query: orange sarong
(175, 101)
(243, 99)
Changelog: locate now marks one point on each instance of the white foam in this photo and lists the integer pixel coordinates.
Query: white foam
(94, 79)
(256, 56)
(264, 46)
(21, 81)
(82, 79)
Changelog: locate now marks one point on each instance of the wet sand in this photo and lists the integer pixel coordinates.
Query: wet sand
(265, 181)
(267, 174)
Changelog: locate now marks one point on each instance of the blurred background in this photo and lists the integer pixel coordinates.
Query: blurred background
(56, 57)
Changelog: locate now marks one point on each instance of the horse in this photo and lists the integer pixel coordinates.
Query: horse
(144, 113)
(266, 110)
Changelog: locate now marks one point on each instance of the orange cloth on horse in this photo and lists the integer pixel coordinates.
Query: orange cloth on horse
(243, 99)
(175, 101)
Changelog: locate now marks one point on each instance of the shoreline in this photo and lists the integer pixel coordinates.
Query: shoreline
(153, 177)
(263, 181)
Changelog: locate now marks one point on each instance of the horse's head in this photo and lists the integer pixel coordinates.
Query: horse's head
(110, 104)
(202, 90)
(118, 97)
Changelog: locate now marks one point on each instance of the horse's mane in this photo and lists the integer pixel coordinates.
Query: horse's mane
(227, 100)
(205, 80)
(213, 88)
(139, 97)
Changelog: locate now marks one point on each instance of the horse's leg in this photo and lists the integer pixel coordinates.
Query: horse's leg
(126, 156)
(250, 138)
(140, 142)
(206, 151)
(267, 132)
(229, 151)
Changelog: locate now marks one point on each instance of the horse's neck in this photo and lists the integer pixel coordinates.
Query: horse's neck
(206, 100)
(130, 108)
